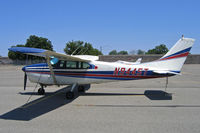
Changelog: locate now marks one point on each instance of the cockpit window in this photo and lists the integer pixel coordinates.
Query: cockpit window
(61, 64)
(71, 64)
(85, 65)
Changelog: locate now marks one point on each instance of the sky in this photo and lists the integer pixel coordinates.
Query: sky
(110, 24)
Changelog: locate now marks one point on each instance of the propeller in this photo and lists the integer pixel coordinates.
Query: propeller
(25, 80)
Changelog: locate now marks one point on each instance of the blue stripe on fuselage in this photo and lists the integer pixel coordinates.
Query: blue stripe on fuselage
(180, 52)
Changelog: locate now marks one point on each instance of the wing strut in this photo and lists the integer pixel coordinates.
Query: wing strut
(51, 69)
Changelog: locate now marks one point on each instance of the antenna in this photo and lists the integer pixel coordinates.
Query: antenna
(76, 50)
(182, 36)
(79, 51)
(85, 50)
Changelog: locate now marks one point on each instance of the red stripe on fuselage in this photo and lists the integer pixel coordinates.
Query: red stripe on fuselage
(176, 56)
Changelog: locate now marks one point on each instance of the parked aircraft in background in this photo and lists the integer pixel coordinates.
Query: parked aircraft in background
(80, 71)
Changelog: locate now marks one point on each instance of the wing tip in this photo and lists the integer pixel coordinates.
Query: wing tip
(26, 50)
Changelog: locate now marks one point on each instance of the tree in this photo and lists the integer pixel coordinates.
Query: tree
(80, 47)
(34, 42)
(140, 52)
(161, 49)
(73, 47)
(39, 42)
(122, 52)
(132, 52)
(113, 52)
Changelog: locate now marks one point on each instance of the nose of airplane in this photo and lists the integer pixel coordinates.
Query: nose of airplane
(24, 69)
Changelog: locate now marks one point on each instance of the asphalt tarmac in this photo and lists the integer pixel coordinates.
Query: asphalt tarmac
(118, 107)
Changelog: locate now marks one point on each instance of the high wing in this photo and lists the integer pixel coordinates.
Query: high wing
(46, 53)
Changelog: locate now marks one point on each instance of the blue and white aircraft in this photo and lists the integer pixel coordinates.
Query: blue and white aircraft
(80, 71)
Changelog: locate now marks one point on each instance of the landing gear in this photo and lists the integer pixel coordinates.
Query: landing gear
(74, 88)
(83, 88)
(41, 90)
(70, 94)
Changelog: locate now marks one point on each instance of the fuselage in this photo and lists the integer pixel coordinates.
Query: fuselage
(70, 72)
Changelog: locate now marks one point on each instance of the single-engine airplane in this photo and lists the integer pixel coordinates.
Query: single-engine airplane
(80, 71)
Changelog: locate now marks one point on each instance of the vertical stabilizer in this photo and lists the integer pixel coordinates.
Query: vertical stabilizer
(180, 49)
(174, 59)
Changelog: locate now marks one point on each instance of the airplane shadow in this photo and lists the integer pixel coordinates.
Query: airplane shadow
(54, 100)
(158, 95)
(38, 107)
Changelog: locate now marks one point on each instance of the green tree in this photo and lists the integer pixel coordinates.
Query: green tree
(133, 52)
(80, 47)
(74, 47)
(113, 52)
(140, 52)
(122, 52)
(39, 42)
(34, 42)
(161, 49)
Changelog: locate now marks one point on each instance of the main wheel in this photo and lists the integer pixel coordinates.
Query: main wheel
(41, 91)
(70, 95)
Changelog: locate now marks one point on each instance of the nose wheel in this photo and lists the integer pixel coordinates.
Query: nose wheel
(41, 90)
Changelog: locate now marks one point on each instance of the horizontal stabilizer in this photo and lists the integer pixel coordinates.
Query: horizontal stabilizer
(166, 72)
(138, 61)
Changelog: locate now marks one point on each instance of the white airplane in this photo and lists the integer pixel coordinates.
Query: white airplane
(80, 71)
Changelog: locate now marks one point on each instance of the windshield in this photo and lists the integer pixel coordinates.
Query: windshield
(54, 61)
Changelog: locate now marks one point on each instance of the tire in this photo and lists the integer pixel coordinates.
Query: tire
(41, 91)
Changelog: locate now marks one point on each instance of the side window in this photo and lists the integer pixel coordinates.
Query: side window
(85, 65)
(59, 65)
(71, 64)
(62, 64)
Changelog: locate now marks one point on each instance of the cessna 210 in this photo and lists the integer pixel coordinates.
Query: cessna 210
(80, 71)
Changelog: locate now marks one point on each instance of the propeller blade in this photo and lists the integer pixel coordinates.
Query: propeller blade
(25, 80)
